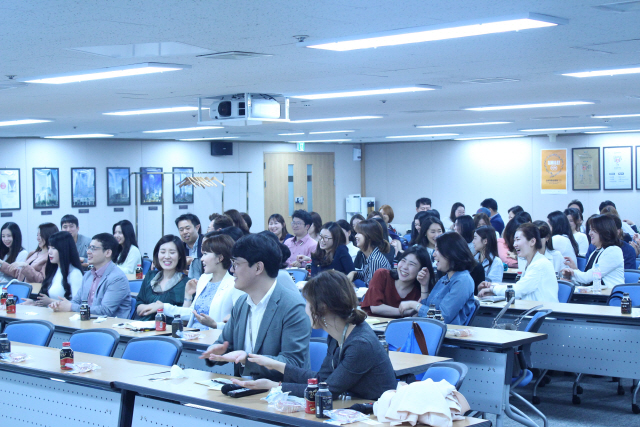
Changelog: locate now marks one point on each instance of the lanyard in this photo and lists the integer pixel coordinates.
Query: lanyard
(341, 345)
(250, 332)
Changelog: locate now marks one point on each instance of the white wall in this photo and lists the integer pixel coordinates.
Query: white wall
(470, 171)
(65, 154)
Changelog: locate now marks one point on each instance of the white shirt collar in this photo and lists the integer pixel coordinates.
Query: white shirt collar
(265, 299)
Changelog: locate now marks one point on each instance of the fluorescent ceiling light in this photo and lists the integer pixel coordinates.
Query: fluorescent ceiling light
(151, 111)
(366, 92)
(107, 73)
(291, 134)
(86, 135)
(433, 135)
(613, 116)
(209, 139)
(183, 129)
(610, 72)
(331, 131)
(323, 140)
(490, 137)
(23, 122)
(521, 106)
(336, 119)
(462, 125)
(563, 129)
(615, 131)
(440, 32)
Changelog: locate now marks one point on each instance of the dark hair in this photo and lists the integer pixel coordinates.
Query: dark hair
(16, 246)
(415, 235)
(423, 201)
(607, 228)
(374, 214)
(317, 221)
(433, 212)
(353, 235)
(220, 245)
(524, 216)
(490, 251)
(332, 292)
(71, 219)
(259, 248)
(609, 210)
(344, 225)
(425, 223)
(325, 257)
(453, 247)
(588, 227)
(490, 204)
(575, 215)
(510, 230)
(388, 211)
(530, 231)
(47, 230)
(545, 233)
(560, 226)
(182, 254)
(605, 204)
(222, 221)
(213, 216)
(68, 256)
(247, 219)
(234, 232)
(238, 220)
(454, 208)
(286, 253)
(481, 217)
(129, 239)
(303, 215)
(109, 242)
(383, 224)
(373, 234)
(578, 203)
(279, 218)
(189, 217)
(422, 255)
(516, 210)
(466, 226)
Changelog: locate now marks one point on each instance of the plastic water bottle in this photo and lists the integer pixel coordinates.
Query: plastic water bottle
(597, 277)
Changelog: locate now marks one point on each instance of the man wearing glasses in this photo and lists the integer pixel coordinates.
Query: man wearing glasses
(105, 287)
(302, 243)
(270, 320)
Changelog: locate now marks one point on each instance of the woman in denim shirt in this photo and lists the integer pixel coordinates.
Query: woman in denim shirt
(453, 294)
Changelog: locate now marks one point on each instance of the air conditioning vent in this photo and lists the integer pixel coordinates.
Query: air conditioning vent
(234, 55)
(242, 109)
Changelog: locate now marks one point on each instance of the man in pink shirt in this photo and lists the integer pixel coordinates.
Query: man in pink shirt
(301, 243)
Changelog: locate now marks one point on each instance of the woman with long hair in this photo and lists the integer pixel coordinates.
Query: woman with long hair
(32, 269)
(416, 227)
(575, 222)
(430, 228)
(457, 209)
(486, 248)
(11, 249)
(331, 253)
(506, 250)
(278, 227)
(562, 236)
(316, 225)
(371, 242)
(238, 220)
(464, 226)
(129, 256)
(348, 231)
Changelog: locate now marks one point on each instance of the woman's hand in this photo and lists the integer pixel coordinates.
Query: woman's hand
(267, 362)
(43, 300)
(397, 244)
(261, 384)
(567, 272)
(628, 221)
(408, 308)
(423, 277)
(351, 276)
(205, 320)
(485, 292)
(147, 309)
(238, 356)
(484, 285)
(190, 287)
(570, 263)
(27, 301)
(303, 259)
(294, 264)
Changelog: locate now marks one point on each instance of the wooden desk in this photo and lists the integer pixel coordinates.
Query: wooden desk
(588, 296)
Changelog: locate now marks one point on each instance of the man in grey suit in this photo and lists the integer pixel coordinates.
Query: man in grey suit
(270, 320)
(105, 287)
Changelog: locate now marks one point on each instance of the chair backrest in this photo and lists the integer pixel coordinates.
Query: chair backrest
(434, 331)
(565, 291)
(581, 262)
(319, 333)
(146, 265)
(533, 326)
(133, 307)
(631, 276)
(20, 289)
(473, 313)
(298, 274)
(452, 372)
(35, 332)
(317, 353)
(617, 292)
(135, 285)
(638, 263)
(159, 350)
(100, 341)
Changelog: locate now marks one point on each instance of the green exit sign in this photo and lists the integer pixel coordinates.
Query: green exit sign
(300, 146)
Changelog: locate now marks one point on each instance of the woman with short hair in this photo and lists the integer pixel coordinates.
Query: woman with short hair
(129, 257)
(457, 210)
(278, 227)
(331, 253)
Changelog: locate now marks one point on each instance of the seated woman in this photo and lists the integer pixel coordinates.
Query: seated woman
(11, 249)
(562, 236)
(628, 251)
(506, 250)
(457, 210)
(331, 253)
(278, 227)
(412, 281)
(538, 282)
(167, 283)
(129, 256)
(214, 292)
(430, 228)
(464, 226)
(486, 247)
(355, 362)
(370, 240)
(348, 232)
(453, 293)
(32, 269)
(316, 225)
(63, 272)
(575, 222)
(415, 228)
(482, 220)
(513, 211)
(556, 258)
(608, 255)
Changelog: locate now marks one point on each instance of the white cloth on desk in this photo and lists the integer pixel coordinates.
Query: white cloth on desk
(538, 282)
(611, 263)
(74, 279)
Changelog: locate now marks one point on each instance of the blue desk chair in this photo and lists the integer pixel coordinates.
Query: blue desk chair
(407, 237)
(298, 274)
(159, 350)
(398, 330)
(35, 332)
(638, 263)
(317, 353)
(631, 276)
(20, 290)
(565, 291)
(319, 333)
(581, 262)
(146, 265)
(135, 285)
(133, 307)
(100, 341)
(452, 372)
(473, 313)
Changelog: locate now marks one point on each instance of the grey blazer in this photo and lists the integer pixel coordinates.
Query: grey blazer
(112, 296)
(283, 335)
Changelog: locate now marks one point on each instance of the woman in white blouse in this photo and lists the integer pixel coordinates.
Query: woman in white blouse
(575, 221)
(129, 256)
(562, 237)
(63, 272)
(608, 254)
(538, 282)
(11, 249)
(486, 248)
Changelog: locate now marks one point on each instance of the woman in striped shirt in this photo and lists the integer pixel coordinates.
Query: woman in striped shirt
(370, 240)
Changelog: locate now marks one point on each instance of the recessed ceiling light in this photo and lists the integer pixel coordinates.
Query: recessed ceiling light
(86, 135)
(209, 139)
(367, 92)
(433, 135)
(323, 140)
(563, 129)
(291, 134)
(331, 131)
(521, 106)
(610, 72)
(183, 129)
(490, 137)
(462, 125)
(151, 111)
(23, 122)
(613, 116)
(615, 131)
(336, 119)
(107, 73)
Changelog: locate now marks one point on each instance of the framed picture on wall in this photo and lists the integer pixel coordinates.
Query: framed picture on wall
(182, 194)
(46, 188)
(118, 187)
(83, 187)
(10, 189)
(586, 168)
(151, 186)
(617, 168)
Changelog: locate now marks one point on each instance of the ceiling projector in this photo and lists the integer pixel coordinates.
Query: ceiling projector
(239, 106)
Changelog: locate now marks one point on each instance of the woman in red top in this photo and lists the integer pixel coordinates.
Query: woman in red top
(412, 281)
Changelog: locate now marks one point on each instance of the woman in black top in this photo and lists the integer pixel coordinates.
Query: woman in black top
(355, 363)
(332, 252)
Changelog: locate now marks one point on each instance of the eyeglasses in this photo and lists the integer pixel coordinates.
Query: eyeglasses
(234, 263)
(297, 223)
(94, 248)
(324, 238)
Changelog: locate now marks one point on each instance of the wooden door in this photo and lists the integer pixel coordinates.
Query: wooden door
(288, 176)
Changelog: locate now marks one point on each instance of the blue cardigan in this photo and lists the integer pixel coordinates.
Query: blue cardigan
(342, 262)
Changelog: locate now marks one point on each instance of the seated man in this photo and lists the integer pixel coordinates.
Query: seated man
(105, 287)
(70, 223)
(270, 320)
(301, 243)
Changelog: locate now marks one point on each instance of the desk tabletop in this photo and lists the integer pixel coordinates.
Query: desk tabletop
(567, 308)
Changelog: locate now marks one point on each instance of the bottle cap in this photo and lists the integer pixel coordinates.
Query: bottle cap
(177, 316)
(160, 310)
(323, 385)
(84, 301)
(66, 344)
(10, 295)
(139, 265)
(3, 335)
(312, 381)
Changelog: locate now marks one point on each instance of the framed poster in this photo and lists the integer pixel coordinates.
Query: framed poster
(118, 187)
(83, 187)
(46, 188)
(151, 186)
(586, 168)
(637, 170)
(10, 189)
(182, 194)
(617, 168)
(553, 171)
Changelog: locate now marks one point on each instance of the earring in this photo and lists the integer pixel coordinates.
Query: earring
(324, 322)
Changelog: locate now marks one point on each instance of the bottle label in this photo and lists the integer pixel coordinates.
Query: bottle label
(63, 363)
(5, 347)
(11, 306)
(139, 274)
(161, 325)
(323, 403)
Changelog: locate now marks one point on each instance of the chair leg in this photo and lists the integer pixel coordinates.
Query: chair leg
(634, 405)
(577, 390)
(620, 387)
(530, 406)
(535, 399)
